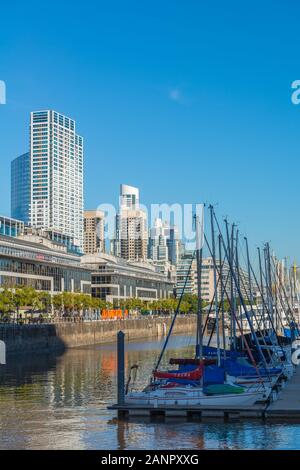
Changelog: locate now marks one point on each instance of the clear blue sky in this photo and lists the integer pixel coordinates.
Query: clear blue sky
(188, 100)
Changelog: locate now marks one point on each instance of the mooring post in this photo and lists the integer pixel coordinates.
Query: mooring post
(2, 353)
(121, 368)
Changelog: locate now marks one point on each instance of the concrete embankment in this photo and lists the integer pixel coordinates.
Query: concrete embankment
(49, 337)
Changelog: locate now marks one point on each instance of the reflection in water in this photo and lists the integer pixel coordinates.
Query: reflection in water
(59, 402)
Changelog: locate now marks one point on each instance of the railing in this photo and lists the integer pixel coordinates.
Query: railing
(78, 319)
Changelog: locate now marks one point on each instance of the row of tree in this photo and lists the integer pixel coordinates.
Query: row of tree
(72, 304)
(66, 303)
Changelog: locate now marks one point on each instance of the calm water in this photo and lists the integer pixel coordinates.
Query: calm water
(59, 402)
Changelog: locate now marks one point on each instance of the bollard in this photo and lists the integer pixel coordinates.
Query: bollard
(2, 353)
(121, 368)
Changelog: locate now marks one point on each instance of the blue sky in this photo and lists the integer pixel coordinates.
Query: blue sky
(188, 100)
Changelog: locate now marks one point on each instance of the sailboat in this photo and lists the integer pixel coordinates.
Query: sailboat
(200, 381)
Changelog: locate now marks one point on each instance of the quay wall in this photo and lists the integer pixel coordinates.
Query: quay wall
(48, 337)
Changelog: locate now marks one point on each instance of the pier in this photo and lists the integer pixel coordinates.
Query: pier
(286, 406)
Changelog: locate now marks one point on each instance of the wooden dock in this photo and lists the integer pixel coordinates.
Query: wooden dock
(191, 413)
(287, 406)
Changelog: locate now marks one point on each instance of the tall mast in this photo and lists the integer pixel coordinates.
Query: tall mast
(233, 288)
(215, 282)
(231, 282)
(238, 273)
(222, 294)
(249, 274)
(261, 286)
(199, 256)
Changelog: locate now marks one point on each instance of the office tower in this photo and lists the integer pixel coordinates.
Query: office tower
(93, 241)
(174, 245)
(157, 247)
(131, 238)
(56, 159)
(164, 243)
(20, 188)
(129, 197)
(186, 274)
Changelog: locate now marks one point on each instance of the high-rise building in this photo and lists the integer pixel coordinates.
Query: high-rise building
(56, 166)
(93, 241)
(164, 243)
(157, 247)
(174, 245)
(186, 274)
(187, 278)
(129, 197)
(20, 188)
(131, 238)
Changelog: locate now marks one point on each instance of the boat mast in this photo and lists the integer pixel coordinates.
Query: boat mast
(222, 295)
(199, 257)
(215, 282)
(249, 274)
(262, 291)
(231, 286)
(238, 272)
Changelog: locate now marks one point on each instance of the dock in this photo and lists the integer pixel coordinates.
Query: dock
(287, 405)
(194, 413)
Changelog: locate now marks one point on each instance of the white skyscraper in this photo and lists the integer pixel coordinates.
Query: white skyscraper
(131, 227)
(56, 159)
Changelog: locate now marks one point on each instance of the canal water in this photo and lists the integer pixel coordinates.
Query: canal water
(60, 402)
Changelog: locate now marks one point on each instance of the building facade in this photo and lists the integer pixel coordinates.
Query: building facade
(186, 274)
(187, 269)
(56, 169)
(115, 279)
(94, 241)
(11, 227)
(42, 264)
(20, 188)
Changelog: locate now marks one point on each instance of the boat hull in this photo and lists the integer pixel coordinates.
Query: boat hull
(182, 397)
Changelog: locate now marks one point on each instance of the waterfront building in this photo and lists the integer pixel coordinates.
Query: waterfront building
(20, 188)
(131, 237)
(56, 169)
(115, 279)
(186, 274)
(93, 241)
(11, 227)
(32, 260)
(55, 236)
(187, 268)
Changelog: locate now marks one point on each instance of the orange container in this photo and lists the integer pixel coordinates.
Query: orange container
(114, 313)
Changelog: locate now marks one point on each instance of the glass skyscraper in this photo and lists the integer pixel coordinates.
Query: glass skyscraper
(20, 188)
(56, 166)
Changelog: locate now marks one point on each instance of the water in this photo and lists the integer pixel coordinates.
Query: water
(59, 402)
